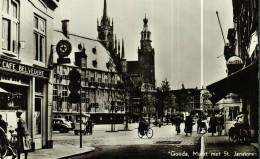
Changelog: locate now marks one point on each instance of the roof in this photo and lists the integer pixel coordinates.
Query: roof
(132, 67)
(102, 56)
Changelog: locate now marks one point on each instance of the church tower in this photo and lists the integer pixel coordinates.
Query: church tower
(146, 56)
(123, 59)
(105, 30)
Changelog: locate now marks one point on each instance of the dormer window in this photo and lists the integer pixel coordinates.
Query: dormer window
(94, 50)
(94, 63)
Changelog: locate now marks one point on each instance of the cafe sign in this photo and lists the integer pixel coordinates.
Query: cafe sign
(234, 63)
(23, 69)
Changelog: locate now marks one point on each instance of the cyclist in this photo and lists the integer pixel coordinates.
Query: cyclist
(143, 125)
(241, 123)
(3, 137)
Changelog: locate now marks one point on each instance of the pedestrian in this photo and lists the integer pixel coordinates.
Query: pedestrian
(199, 127)
(178, 121)
(220, 122)
(188, 125)
(3, 137)
(21, 132)
(3, 124)
(212, 124)
(159, 122)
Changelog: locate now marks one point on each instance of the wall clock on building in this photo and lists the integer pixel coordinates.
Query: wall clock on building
(63, 48)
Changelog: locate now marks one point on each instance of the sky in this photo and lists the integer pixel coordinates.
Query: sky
(176, 34)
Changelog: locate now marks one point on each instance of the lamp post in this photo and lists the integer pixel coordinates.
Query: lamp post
(110, 68)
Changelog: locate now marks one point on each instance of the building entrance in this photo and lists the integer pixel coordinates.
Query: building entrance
(37, 122)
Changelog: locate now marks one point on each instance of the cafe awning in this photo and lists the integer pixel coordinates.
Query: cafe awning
(241, 82)
(4, 91)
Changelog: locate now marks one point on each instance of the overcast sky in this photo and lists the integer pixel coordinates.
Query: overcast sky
(176, 33)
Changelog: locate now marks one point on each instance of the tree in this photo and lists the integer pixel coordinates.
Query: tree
(165, 99)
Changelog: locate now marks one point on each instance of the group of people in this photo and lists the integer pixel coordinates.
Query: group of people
(216, 124)
(21, 132)
(89, 126)
(178, 119)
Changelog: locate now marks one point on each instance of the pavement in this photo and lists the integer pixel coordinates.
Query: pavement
(219, 147)
(66, 145)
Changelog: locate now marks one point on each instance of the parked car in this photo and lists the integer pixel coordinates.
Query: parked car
(61, 125)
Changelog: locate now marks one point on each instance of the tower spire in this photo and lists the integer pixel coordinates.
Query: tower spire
(123, 49)
(105, 10)
(118, 47)
(115, 44)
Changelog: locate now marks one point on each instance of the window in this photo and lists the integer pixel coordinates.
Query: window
(65, 94)
(55, 93)
(10, 24)
(94, 63)
(83, 62)
(83, 96)
(94, 50)
(39, 39)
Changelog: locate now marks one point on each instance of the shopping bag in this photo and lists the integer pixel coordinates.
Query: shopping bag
(27, 143)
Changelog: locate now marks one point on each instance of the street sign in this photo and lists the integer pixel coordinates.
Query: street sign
(63, 60)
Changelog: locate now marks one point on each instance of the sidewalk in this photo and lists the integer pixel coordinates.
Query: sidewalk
(219, 147)
(59, 151)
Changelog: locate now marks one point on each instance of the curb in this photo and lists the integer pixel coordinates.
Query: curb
(78, 154)
(202, 147)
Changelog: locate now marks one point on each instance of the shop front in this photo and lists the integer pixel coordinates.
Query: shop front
(244, 83)
(26, 88)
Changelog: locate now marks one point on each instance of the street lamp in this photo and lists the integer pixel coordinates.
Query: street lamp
(110, 68)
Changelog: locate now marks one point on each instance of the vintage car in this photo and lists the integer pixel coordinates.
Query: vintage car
(61, 125)
(84, 119)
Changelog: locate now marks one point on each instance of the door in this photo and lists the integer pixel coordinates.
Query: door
(37, 122)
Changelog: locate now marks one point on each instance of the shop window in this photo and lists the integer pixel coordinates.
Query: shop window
(39, 39)
(13, 97)
(10, 27)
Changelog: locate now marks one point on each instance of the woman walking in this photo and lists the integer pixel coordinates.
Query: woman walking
(212, 124)
(188, 125)
(21, 132)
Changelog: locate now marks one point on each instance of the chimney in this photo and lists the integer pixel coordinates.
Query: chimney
(65, 27)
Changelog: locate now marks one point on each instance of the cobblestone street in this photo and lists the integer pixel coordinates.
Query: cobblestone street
(101, 137)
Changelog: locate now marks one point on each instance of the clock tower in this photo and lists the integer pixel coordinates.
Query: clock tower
(105, 30)
(146, 56)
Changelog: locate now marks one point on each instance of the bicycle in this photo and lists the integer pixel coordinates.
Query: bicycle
(7, 145)
(148, 132)
(237, 135)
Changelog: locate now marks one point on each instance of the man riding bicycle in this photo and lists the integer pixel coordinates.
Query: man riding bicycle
(143, 125)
